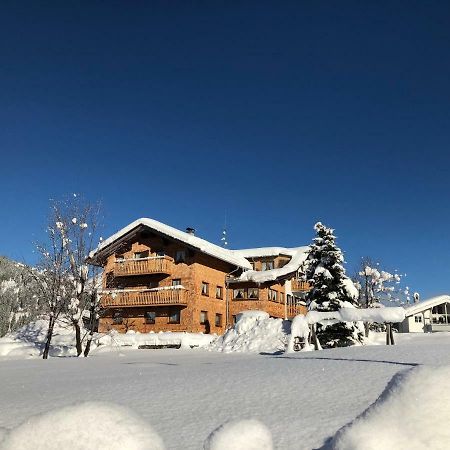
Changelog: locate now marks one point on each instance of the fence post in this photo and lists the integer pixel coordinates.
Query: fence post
(389, 334)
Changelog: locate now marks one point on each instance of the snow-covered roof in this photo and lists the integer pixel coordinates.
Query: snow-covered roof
(298, 254)
(193, 241)
(262, 252)
(426, 304)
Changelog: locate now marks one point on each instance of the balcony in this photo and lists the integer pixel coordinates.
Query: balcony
(293, 310)
(299, 285)
(159, 297)
(143, 266)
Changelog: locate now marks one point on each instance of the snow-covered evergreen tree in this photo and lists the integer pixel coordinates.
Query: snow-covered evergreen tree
(331, 289)
(18, 301)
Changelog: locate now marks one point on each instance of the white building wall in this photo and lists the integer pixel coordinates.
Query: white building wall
(413, 326)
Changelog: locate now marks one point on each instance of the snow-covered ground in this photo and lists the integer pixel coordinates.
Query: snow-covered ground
(28, 341)
(184, 395)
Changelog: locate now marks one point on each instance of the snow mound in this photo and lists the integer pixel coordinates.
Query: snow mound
(299, 329)
(412, 412)
(136, 339)
(28, 341)
(247, 434)
(254, 331)
(90, 425)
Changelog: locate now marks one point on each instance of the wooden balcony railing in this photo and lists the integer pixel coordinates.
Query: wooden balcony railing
(145, 298)
(293, 311)
(299, 285)
(144, 266)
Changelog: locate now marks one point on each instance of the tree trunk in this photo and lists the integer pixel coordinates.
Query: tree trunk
(366, 329)
(76, 325)
(87, 349)
(314, 337)
(51, 324)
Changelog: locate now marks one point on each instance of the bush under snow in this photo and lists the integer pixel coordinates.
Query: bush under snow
(248, 434)
(413, 412)
(254, 331)
(90, 425)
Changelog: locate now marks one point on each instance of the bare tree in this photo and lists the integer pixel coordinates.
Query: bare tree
(378, 287)
(52, 279)
(77, 222)
(67, 283)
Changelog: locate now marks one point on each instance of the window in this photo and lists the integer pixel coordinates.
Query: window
(267, 265)
(176, 282)
(120, 258)
(234, 319)
(150, 316)
(205, 288)
(153, 284)
(141, 255)
(117, 318)
(253, 293)
(273, 295)
(174, 315)
(180, 256)
(418, 319)
(218, 321)
(160, 253)
(219, 292)
(203, 317)
(238, 294)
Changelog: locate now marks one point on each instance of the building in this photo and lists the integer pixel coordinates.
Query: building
(158, 278)
(428, 316)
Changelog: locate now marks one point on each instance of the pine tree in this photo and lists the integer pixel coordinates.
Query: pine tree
(331, 289)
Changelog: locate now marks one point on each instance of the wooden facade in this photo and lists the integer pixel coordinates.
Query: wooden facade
(152, 282)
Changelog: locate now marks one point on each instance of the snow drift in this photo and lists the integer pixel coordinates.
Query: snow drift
(254, 331)
(248, 434)
(90, 425)
(28, 341)
(413, 412)
(135, 339)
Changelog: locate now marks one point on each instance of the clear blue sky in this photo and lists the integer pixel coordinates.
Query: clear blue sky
(277, 114)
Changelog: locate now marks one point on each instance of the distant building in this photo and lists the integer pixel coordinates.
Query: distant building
(158, 278)
(428, 316)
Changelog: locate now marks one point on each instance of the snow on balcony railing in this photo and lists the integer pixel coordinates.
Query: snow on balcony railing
(143, 266)
(175, 295)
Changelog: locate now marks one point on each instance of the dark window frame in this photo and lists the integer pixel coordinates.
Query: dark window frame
(205, 289)
(175, 312)
(149, 320)
(179, 259)
(205, 320)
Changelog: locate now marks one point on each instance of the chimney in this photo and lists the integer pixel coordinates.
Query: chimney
(190, 231)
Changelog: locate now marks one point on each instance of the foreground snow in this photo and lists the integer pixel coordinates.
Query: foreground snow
(303, 399)
(91, 425)
(413, 411)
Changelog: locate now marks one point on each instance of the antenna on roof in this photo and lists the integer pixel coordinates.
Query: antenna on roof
(224, 239)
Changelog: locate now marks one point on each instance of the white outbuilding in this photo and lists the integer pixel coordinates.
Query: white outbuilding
(428, 316)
